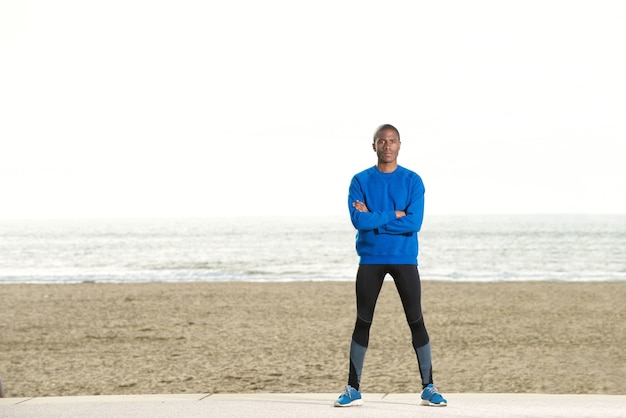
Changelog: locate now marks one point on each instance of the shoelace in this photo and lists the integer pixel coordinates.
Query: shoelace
(432, 391)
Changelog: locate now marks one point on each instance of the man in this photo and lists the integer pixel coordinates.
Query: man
(386, 205)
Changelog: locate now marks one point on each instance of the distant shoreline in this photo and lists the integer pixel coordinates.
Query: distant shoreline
(468, 281)
(343, 219)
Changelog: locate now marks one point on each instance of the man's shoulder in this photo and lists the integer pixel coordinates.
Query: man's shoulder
(407, 172)
(367, 172)
(410, 177)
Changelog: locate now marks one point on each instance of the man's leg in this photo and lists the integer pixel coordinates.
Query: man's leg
(369, 281)
(406, 278)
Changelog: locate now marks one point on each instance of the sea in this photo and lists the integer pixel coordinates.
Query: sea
(463, 248)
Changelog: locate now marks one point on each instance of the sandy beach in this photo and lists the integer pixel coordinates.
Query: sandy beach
(89, 339)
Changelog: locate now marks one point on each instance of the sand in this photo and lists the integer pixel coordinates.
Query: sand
(90, 339)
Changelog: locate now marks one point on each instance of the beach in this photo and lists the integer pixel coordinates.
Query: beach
(293, 337)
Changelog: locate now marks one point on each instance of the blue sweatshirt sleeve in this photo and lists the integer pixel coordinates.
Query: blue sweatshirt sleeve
(366, 221)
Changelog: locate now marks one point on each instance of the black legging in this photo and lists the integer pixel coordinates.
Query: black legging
(369, 281)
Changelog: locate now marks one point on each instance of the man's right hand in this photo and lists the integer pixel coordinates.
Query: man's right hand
(360, 206)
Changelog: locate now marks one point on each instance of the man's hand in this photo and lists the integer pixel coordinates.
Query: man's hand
(360, 206)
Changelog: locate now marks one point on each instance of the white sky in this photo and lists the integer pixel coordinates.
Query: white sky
(139, 108)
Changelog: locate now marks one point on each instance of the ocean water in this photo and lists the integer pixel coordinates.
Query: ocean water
(457, 248)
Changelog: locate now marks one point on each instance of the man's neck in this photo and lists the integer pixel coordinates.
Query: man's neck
(387, 167)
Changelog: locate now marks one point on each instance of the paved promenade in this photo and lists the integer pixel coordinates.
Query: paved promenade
(305, 405)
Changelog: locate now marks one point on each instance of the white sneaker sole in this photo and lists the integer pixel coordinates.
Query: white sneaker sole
(357, 402)
(424, 402)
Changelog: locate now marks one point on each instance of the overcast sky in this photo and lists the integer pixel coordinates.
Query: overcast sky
(140, 108)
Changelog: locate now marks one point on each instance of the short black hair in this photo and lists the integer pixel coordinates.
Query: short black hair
(382, 128)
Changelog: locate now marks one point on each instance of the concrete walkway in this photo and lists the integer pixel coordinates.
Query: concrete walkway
(305, 405)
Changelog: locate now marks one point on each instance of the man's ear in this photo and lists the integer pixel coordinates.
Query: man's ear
(374, 146)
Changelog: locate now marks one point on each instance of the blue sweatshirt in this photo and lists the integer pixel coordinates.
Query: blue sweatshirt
(381, 238)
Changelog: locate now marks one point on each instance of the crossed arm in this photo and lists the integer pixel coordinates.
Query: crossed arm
(361, 207)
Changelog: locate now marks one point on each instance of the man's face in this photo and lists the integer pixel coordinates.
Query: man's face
(387, 146)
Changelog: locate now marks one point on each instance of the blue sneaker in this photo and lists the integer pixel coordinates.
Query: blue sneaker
(430, 397)
(349, 397)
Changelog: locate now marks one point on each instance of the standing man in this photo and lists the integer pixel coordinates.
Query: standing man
(386, 205)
